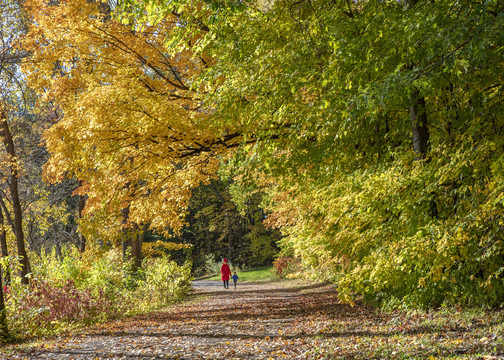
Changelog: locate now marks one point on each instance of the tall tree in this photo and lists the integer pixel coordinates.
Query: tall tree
(330, 105)
(13, 183)
(343, 98)
(130, 116)
(28, 206)
(12, 26)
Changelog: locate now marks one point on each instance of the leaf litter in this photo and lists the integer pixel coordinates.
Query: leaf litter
(280, 321)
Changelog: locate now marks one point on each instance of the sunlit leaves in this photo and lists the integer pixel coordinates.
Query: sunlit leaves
(321, 92)
(131, 128)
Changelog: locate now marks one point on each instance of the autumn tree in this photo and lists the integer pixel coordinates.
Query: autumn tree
(133, 132)
(33, 212)
(373, 128)
(8, 57)
(12, 26)
(380, 122)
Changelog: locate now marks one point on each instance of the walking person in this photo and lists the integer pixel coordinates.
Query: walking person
(225, 273)
(235, 279)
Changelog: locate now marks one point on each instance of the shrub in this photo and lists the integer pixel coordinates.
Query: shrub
(42, 307)
(162, 282)
(283, 265)
(210, 266)
(71, 290)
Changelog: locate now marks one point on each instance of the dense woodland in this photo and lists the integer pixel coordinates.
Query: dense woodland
(360, 140)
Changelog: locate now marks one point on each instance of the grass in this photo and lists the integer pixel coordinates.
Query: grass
(262, 274)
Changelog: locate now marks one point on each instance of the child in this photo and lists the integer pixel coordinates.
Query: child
(235, 278)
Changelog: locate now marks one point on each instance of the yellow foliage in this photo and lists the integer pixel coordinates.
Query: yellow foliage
(159, 248)
(131, 129)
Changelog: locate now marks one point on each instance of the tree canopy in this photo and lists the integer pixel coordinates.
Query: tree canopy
(131, 128)
(374, 127)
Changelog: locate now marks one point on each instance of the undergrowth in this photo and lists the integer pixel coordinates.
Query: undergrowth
(72, 289)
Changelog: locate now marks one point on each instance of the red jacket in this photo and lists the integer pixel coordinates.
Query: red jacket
(225, 271)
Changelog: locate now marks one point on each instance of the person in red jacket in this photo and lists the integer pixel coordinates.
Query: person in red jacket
(225, 273)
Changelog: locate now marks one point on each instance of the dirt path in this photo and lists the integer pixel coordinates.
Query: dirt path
(254, 321)
(268, 321)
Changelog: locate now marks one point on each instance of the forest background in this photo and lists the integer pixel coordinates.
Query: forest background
(357, 140)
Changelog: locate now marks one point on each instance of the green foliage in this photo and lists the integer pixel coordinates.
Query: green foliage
(209, 265)
(320, 93)
(73, 289)
(383, 237)
(105, 271)
(164, 282)
(324, 89)
(262, 245)
(58, 267)
(219, 226)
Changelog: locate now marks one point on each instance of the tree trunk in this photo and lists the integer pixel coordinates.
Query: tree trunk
(418, 113)
(132, 239)
(141, 237)
(136, 246)
(82, 238)
(3, 247)
(17, 223)
(4, 331)
(126, 238)
(418, 119)
(419, 129)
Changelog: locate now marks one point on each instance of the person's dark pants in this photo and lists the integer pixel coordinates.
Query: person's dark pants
(226, 284)
(234, 283)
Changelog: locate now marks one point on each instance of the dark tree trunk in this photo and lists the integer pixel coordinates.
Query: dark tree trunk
(418, 118)
(141, 238)
(82, 238)
(417, 112)
(136, 246)
(17, 223)
(4, 331)
(126, 233)
(419, 127)
(132, 239)
(3, 247)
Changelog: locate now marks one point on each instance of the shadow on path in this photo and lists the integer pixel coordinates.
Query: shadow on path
(267, 321)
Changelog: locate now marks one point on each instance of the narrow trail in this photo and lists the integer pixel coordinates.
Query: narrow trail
(274, 321)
